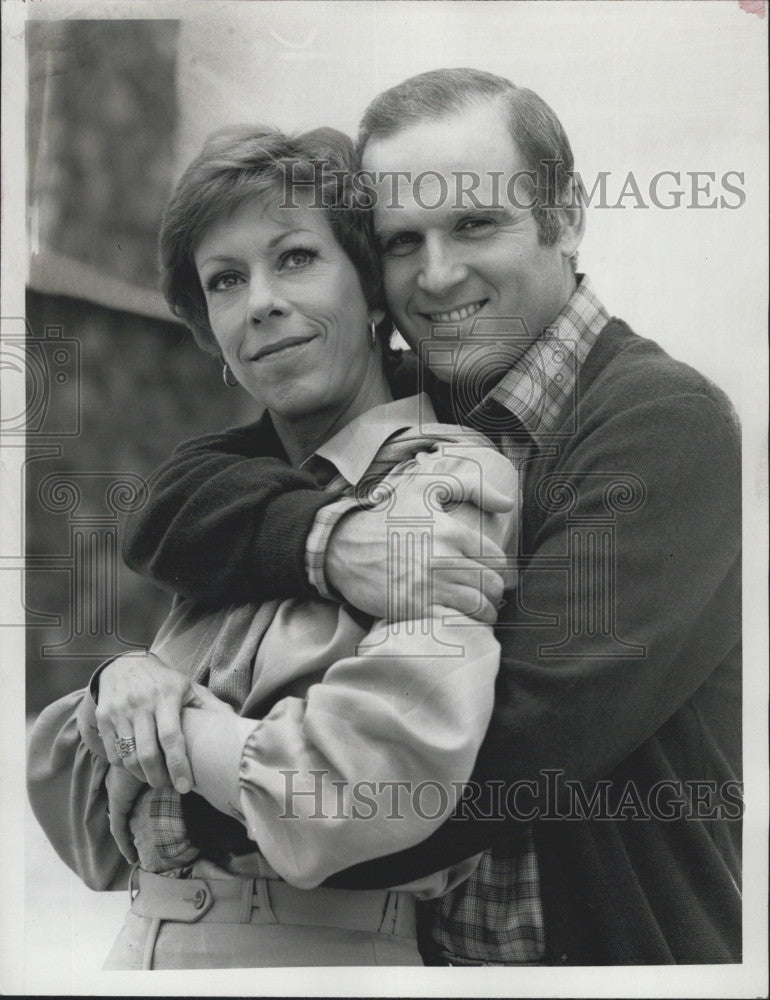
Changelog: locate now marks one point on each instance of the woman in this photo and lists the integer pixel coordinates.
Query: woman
(302, 720)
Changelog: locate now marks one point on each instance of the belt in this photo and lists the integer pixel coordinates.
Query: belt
(270, 901)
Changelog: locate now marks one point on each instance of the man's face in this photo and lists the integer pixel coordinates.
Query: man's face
(457, 271)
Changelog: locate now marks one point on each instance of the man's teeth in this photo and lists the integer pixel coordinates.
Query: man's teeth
(457, 315)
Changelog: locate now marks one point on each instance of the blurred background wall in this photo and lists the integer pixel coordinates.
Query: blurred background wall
(123, 383)
(117, 107)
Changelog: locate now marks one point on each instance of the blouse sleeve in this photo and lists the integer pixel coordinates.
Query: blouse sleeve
(376, 756)
(66, 771)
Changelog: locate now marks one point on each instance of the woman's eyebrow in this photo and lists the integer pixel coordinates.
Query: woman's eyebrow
(217, 258)
(289, 233)
(228, 258)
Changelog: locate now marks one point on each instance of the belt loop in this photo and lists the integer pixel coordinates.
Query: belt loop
(260, 901)
(390, 913)
(247, 893)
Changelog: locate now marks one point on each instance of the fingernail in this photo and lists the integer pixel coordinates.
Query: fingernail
(183, 786)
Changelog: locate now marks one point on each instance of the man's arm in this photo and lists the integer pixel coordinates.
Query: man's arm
(227, 520)
(676, 581)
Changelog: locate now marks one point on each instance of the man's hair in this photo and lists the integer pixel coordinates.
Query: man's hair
(255, 161)
(533, 126)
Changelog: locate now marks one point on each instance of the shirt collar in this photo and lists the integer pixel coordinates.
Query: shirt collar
(353, 449)
(543, 381)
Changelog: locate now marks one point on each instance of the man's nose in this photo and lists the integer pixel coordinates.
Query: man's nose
(264, 299)
(441, 267)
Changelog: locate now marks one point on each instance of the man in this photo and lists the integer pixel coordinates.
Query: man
(606, 796)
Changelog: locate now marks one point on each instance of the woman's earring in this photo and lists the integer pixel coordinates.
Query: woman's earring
(373, 332)
(227, 375)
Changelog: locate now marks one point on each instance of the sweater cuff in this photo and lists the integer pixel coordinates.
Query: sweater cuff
(282, 552)
(326, 521)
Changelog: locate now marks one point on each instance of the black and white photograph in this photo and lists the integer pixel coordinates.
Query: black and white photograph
(383, 535)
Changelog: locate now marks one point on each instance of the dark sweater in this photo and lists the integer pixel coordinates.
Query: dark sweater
(224, 525)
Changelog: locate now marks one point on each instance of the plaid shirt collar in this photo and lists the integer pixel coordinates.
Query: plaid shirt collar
(542, 383)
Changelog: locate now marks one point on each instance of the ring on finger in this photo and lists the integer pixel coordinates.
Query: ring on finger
(124, 745)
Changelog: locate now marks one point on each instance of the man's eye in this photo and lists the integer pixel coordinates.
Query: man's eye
(299, 257)
(400, 244)
(475, 226)
(222, 282)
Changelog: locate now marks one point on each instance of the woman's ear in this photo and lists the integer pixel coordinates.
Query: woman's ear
(376, 316)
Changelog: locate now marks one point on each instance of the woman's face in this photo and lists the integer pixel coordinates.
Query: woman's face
(286, 307)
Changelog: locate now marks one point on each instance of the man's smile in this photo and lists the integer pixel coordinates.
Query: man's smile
(456, 315)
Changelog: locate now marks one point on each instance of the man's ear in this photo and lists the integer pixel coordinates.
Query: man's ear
(572, 217)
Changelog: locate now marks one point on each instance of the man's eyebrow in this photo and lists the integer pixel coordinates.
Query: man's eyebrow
(387, 231)
(499, 213)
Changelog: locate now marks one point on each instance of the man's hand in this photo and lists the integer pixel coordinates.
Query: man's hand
(141, 698)
(379, 571)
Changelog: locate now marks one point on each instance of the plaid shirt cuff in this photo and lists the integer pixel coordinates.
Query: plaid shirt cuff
(167, 827)
(315, 551)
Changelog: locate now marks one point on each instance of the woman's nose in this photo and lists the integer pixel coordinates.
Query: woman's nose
(441, 270)
(264, 301)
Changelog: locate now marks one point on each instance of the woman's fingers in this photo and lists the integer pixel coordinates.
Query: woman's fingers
(120, 745)
(205, 699)
(121, 794)
(148, 756)
(168, 719)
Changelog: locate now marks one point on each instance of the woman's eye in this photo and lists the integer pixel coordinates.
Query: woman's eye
(297, 258)
(222, 282)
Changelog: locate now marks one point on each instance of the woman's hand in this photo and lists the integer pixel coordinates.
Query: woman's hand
(142, 699)
(123, 789)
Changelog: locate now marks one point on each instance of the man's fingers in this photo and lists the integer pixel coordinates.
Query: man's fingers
(473, 603)
(169, 723)
(468, 575)
(468, 483)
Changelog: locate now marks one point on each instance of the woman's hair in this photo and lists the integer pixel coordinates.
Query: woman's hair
(256, 161)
